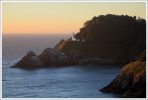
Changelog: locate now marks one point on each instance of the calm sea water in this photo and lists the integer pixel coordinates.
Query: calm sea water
(73, 81)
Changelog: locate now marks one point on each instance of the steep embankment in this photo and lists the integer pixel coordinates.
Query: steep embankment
(131, 81)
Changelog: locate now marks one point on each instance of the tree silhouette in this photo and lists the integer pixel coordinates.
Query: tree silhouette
(114, 36)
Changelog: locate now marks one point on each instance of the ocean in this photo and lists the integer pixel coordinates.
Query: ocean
(81, 81)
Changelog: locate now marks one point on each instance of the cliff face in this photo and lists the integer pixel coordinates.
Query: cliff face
(131, 81)
(71, 48)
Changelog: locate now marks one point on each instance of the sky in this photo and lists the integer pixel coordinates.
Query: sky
(60, 17)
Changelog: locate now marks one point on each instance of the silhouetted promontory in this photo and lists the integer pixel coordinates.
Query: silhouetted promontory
(105, 39)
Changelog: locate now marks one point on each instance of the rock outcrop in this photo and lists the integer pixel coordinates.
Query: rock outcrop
(48, 58)
(30, 60)
(55, 57)
(51, 56)
(131, 81)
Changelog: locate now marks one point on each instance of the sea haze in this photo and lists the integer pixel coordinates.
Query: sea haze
(73, 81)
(16, 45)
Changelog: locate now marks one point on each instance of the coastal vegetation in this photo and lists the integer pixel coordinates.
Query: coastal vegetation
(115, 38)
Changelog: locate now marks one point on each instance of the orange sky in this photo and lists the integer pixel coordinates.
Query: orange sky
(61, 17)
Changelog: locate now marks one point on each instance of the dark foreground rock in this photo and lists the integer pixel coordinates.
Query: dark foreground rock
(131, 81)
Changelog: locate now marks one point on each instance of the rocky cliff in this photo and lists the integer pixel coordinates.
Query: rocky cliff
(131, 81)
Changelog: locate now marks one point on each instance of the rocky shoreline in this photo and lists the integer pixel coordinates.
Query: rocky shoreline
(131, 81)
(51, 57)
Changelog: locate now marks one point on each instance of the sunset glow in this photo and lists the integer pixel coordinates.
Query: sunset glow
(60, 17)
